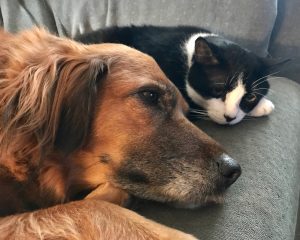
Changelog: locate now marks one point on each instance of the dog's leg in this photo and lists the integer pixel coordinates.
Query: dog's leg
(107, 192)
(86, 220)
(263, 108)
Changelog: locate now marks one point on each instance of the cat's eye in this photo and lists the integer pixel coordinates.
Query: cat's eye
(150, 97)
(218, 92)
(250, 97)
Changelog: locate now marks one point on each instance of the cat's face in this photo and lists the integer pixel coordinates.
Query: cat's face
(225, 79)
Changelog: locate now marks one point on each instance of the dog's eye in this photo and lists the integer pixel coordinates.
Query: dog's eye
(250, 97)
(149, 97)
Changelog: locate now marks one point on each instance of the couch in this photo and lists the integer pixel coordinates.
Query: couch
(263, 203)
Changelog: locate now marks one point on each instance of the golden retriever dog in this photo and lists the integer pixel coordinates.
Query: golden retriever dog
(82, 128)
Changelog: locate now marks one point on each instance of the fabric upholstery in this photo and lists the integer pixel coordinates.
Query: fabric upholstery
(285, 42)
(233, 20)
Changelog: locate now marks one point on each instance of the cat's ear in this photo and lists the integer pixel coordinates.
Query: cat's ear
(275, 63)
(204, 53)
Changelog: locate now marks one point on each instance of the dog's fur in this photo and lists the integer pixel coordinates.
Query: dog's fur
(94, 122)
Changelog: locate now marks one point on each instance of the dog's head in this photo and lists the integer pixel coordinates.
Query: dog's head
(107, 113)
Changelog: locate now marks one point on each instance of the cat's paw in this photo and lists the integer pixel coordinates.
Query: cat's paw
(263, 108)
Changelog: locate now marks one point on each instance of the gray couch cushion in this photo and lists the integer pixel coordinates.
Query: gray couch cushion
(263, 203)
(285, 40)
(232, 19)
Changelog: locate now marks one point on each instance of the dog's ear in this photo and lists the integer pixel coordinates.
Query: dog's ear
(204, 53)
(78, 84)
(50, 103)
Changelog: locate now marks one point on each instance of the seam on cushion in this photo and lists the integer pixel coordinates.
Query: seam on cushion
(108, 13)
(280, 6)
(23, 5)
(50, 10)
(1, 18)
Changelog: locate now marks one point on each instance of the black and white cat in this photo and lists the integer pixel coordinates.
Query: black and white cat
(228, 81)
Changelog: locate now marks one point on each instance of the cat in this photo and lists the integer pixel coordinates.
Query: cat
(226, 80)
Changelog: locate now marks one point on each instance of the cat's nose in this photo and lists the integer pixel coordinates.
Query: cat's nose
(228, 118)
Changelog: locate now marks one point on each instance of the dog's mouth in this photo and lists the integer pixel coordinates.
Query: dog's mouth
(136, 203)
(180, 182)
(209, 200)
(181, 192)
(190, 200)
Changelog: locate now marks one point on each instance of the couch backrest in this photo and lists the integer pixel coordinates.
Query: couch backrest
(285, 40)
(248, 22)
(259, 25)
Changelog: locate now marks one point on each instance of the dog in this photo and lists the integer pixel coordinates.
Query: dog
(83, 127)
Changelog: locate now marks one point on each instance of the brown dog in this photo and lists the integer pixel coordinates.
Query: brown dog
(97, 122)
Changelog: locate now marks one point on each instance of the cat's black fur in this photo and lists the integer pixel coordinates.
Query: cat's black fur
(162, 43)
(215, 64)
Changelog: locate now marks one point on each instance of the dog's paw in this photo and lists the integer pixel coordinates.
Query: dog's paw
(263, 108)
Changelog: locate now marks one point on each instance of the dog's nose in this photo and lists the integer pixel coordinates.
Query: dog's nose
(229, 169)
(228, 118)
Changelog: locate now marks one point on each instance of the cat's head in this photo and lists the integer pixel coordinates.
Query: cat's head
(225, 79)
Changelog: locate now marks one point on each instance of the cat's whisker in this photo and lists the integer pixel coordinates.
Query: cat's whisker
(248, 119)
(197, 110)
(192, 110)
(263, 89)
(203, 118)
(269, 89)
(228, 80)
(181, 88)
(259, 94)
(258, 80)
(233, 77)
(266, 76)
(199, 115)
(272, 78)
(257, 84)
